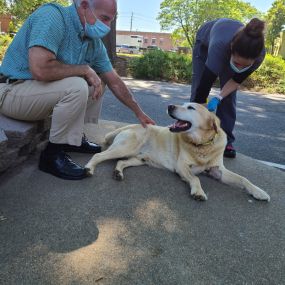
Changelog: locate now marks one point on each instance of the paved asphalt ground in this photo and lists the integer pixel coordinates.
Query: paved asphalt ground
(260, 127)
(146, 230)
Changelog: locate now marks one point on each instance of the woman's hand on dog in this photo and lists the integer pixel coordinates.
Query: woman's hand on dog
(213, 104)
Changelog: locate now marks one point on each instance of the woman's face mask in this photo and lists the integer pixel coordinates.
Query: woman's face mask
(248, 64)
(97, 30)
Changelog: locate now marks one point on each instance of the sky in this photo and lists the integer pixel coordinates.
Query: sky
(145, 13)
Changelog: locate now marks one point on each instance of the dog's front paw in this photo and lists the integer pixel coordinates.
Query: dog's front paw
(261, 195)
(199, 195)
(118, 175)
(89, 170)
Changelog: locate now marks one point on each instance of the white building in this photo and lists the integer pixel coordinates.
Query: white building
(130, 40)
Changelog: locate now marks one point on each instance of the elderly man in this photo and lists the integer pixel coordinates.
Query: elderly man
(54, 66)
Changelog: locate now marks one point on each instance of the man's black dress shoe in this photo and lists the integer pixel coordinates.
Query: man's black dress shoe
(60, 164)
(85, 147)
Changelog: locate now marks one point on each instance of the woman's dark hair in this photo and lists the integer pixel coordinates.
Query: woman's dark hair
(248, 42)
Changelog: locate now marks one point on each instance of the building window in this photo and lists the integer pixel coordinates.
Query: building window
(145, 40)
(153, 40)
(161, 40)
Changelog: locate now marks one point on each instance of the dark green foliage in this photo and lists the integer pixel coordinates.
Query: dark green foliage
(160, 65)
(270, 76)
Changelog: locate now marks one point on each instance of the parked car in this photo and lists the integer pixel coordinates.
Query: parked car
(118, 48)
(128, 49)
(142, 49)
(153, 48)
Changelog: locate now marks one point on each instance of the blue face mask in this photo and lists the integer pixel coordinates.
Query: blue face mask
(98, 30)
(236, 69)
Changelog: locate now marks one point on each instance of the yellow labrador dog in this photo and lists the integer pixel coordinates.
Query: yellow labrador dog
(195, 143)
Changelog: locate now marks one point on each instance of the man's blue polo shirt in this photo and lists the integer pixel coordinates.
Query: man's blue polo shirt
(59, 30)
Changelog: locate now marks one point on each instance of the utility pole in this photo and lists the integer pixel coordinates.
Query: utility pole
(132, 21)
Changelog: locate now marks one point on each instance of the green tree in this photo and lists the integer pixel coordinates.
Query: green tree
(3, 7)
(21, 9)
(184, 17)
(275, 21)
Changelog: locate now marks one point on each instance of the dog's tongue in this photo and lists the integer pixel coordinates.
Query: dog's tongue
(179, 126)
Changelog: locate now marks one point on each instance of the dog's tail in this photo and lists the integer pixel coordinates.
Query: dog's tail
(110, 136)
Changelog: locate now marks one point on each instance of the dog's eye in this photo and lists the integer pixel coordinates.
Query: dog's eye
(190, 108)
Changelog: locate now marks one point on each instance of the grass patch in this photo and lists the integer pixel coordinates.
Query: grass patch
(128, 55)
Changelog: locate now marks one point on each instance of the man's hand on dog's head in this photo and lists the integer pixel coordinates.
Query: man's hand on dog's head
(145, 119)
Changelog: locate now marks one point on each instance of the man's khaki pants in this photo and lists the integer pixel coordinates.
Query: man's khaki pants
(68, 101)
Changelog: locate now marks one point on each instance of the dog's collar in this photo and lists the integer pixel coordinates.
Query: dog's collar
(208, 142)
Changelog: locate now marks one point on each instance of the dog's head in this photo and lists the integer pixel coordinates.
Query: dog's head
(192, 117)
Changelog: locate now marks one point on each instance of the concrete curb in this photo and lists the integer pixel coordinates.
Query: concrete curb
(18, 139)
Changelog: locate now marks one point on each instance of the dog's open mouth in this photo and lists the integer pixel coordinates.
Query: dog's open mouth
(180, 126)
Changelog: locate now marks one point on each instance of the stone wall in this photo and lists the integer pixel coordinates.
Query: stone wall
(18, 139)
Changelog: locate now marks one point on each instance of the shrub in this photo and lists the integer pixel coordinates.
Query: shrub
(180, 67)
(269, 77)
(150, 66)
(5, 40)
(160, 65)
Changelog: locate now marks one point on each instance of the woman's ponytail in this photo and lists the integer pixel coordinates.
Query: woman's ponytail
(255, 28)
(249, 41)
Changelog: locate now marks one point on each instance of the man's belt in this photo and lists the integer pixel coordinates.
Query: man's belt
(6, 79)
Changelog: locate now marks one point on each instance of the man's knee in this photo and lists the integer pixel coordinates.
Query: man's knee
(78, 89)
(78, 83)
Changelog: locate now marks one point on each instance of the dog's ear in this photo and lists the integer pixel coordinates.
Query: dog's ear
(213, 123)
(215, 126)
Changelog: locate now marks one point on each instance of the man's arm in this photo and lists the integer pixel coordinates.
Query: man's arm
(121, 91)
(45, 67)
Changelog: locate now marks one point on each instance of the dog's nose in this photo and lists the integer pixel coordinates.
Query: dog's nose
(171, 108)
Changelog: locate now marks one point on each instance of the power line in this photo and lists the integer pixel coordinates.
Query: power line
(136, 18)
(145, 20)
(125, 14)
(143, 16)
